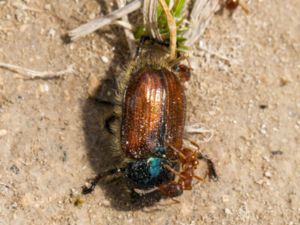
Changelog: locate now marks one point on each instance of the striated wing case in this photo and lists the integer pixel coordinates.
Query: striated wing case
(153, 113)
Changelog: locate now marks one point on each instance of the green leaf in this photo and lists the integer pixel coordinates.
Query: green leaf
(178, 8)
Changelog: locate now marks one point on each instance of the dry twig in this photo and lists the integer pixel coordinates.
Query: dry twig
(150, 19)
(172, 28)
(202, 12)
(128, 30)
(33, 74)
(199, 129)
(95, 24)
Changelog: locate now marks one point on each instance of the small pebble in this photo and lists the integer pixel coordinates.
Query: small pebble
(225, 198)
(3, 132)
(260, 182)
(227, 211)
(268, 174)
(263, 129)
(106, 203)
(51, 33)
(44, 88)
(47, 7)
(104, 59)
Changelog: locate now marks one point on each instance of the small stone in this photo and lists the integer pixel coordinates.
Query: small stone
(44, 88)
(104, 59)
(268, 174)
(3, 132)
(105, 203)
(72, 46)
(51, 33)
(266, 158)
(260, 182)
(225, 198)
(283, 81)
(227, 211)
(47, 7)
(263, 129)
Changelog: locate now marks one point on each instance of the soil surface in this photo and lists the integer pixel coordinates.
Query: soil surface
(245, 87)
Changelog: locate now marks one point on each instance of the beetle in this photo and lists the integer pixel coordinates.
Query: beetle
(152, 107)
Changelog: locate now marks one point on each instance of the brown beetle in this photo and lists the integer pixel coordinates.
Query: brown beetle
(152, 112)
(152, 116)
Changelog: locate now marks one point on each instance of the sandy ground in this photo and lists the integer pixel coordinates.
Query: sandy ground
(52, 136)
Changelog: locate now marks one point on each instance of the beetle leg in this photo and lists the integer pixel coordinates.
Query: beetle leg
(89, 189)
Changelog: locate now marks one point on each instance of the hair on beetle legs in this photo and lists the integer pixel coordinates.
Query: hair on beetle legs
(89, 189)
(143, 40)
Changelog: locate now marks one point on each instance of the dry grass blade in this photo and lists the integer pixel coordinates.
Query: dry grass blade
(33, 74)
(198, 129)
(95, 24)
(128, 31)
(150, 19)
(202, 12)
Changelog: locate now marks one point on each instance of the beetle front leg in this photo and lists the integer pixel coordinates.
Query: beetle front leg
(90, 188)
